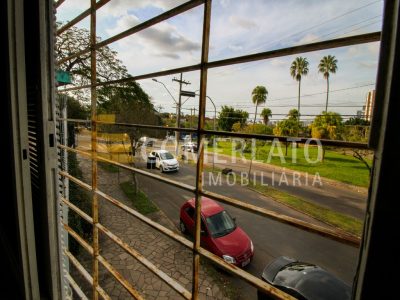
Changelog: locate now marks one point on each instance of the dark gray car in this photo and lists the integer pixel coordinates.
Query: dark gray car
(304, 281)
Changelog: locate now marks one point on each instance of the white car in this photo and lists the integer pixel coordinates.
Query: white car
(190, 147)
(165, 161)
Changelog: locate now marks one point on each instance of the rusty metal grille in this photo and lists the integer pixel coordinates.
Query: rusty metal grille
(93, 249)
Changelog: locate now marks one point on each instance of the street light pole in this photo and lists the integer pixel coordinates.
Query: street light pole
(215, 110)
(178, 118)
(173, 98)
(177, 106)
(215, 117)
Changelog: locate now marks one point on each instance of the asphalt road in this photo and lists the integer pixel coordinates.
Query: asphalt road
(271, 239)
(342, 198)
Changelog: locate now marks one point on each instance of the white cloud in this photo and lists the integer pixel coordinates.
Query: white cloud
(123, 23)
(121, 7)
(354, 50)
(308, 38)
(374, 48)
(242, 22)
(162, 40)
(278, 62)
(235, 47)
(369, 64)
(225, 3)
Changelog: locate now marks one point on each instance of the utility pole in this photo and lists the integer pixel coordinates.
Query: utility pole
(178, 112)
(191, 115)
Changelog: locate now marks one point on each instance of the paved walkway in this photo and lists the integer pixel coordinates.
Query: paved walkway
(171, 257)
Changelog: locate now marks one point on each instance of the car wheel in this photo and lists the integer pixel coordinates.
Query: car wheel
(161, 169)
(182, 227)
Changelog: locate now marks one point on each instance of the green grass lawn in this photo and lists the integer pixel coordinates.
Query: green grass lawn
(108, 167)
(346, 223)
(336, 166)
(140, 201)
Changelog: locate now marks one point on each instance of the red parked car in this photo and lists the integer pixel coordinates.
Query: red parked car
(219, 232)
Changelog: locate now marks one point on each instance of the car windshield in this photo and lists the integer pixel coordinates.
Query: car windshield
(220, 224)
(166, 155)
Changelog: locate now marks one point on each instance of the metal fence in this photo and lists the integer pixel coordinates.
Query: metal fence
(197, 189)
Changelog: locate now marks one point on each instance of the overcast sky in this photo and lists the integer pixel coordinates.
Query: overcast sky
(245, 27)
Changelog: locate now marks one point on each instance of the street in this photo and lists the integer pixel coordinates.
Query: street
(271, 239)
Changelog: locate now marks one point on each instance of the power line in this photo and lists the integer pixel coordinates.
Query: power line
(305, 95)
(307, 29)
(366, 20)
(316, 25)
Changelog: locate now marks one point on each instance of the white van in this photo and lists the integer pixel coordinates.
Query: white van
(165, 161)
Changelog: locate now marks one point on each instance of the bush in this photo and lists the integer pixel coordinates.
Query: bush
(80, 198)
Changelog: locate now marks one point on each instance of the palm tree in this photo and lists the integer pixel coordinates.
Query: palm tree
(327, 65)
(259, 94)
(298, 68)
(266, 113)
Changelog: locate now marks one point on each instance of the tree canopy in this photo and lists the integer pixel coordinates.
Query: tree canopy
(266, 113)
(357, 121)
(229, 116)
(293, 114)
(327, 125)
(259, 96)
(327, 65)
(299, 67)
(128, 101)
(289, 126)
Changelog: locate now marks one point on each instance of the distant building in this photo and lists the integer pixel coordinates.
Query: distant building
(369, 104)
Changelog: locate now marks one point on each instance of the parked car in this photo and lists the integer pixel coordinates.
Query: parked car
(219, 232)
(186, 138)
(146, 141)
(303, 280)
(191, 147)
(165, 161)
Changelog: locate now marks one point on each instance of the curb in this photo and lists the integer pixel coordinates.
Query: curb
(161, 214)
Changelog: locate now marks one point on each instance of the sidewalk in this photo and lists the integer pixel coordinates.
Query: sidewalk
(171, 257)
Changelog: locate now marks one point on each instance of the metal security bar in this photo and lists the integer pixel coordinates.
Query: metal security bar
(195, 246)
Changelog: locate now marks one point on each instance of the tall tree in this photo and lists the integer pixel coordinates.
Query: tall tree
(115, 99)
(299, 68)
(266, 113)
(229, 116)
(327, 65)
(128, 101)
(259, 96)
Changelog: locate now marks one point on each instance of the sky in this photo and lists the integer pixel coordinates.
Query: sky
(240, 28)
